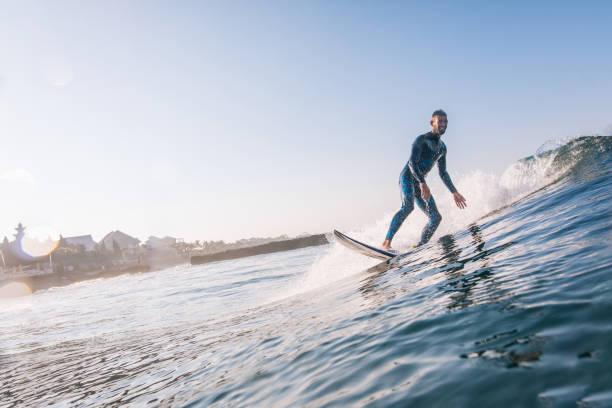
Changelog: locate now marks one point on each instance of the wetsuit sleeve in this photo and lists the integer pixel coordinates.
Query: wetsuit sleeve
(444, 174)
(414, 161)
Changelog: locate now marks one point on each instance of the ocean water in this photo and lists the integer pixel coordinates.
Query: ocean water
(510, 304)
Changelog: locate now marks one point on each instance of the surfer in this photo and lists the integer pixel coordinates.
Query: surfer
(427, 149)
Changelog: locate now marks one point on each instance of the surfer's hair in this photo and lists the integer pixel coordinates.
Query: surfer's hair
(439, 112)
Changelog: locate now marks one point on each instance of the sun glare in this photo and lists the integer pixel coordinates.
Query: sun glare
(40, 241)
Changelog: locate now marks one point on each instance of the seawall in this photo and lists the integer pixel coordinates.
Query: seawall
(278, 246)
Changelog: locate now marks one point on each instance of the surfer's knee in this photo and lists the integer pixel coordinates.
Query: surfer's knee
(435, 218)
(406, 209)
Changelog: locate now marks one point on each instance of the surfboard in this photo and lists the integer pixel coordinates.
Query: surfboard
(362, 248)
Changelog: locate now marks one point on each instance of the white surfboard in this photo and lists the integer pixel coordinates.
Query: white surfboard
(362, 248)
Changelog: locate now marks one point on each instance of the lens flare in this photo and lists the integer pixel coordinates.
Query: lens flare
(15, 289)
(39, 241)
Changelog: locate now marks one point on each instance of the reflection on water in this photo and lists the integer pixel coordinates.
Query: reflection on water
(14, 289)
(514, 352)
(461, 275)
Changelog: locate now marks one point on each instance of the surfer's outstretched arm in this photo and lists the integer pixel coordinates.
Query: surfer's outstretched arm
(444, 174)
(459, 200)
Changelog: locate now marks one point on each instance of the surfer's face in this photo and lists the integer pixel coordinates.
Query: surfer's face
(439, 124)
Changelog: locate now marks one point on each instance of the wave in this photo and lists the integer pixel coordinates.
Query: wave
(486, 193)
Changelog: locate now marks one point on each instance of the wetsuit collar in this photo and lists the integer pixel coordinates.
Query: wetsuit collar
(432, 135)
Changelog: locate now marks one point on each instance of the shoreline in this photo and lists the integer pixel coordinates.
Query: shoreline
(47, 281)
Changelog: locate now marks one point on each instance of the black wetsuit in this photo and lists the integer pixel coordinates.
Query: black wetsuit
(427, 149)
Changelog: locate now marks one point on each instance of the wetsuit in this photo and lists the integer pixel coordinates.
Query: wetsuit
(426, 150)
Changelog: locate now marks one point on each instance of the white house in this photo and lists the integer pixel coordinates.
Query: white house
(122, 239)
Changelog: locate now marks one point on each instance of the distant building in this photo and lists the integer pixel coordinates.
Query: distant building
(86, 241)
(123, 240)
(24, 251)
(165, 242)
(15, 247)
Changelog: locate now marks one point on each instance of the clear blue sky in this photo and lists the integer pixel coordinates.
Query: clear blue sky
(231, 119)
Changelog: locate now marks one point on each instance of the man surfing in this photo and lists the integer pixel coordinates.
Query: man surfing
(427, 149)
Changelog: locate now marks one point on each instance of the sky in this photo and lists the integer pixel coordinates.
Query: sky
(225, 120)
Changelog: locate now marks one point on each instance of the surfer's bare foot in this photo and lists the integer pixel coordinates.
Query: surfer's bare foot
(386, 245)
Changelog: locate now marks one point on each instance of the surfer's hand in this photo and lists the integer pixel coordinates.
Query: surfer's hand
(425, 193)
(459, 200)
